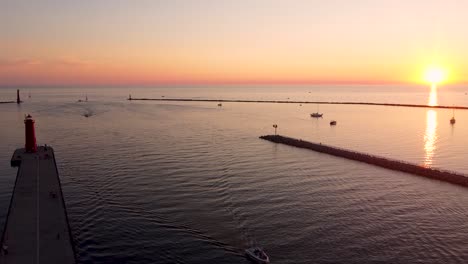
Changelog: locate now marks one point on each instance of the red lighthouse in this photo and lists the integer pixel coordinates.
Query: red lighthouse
(30, 135)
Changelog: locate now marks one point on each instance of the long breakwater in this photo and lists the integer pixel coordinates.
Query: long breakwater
(294, 102)
(433, 173)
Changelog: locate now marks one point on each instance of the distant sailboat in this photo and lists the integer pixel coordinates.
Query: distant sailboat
(81, 101)
(452, 121)
(317, 114)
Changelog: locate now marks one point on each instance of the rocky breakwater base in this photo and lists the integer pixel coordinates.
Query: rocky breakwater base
(433, 173)
(295, 102)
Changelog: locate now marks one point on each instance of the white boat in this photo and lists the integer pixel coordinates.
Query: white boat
(316, 114)
(257, 255)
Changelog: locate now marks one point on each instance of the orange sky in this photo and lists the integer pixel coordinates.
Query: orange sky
(259, 41)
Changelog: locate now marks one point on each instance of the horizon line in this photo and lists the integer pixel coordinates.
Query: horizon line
(227, 83)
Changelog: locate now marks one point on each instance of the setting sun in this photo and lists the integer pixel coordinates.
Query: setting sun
(435, 74)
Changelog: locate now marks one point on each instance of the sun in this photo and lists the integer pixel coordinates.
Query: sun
(435, 75)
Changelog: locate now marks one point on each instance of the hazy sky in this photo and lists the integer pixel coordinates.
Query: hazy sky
(144, 42)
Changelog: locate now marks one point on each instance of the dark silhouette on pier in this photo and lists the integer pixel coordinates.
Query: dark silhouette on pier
(433, 173)
(295, 102)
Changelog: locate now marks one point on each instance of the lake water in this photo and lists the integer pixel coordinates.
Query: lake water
(190, 182)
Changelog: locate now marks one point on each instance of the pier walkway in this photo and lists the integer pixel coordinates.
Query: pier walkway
(37, 229)
(433, 173)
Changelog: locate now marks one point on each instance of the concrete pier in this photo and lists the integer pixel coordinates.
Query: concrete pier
(37, 229)
(433, 173)
(18, 99)
(294, 102)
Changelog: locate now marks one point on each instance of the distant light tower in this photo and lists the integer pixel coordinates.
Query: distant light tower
(276, 127)
(129, 97)
(18, 100)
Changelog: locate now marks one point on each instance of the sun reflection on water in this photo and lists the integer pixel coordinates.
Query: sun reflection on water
(430, 136)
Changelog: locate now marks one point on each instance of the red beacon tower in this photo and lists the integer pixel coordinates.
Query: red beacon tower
(31, 145)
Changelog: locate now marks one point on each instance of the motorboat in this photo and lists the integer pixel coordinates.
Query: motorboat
(257, 255)
(88, 113)
(220, 104)
(333, 123)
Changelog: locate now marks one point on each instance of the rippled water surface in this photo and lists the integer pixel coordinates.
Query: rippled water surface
(175, 182)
